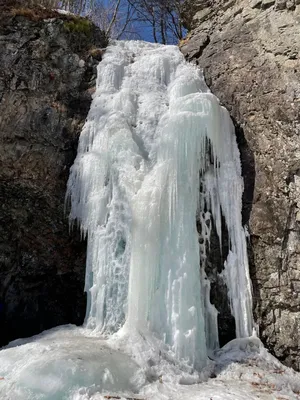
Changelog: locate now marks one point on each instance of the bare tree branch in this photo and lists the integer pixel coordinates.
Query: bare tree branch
(113, 19)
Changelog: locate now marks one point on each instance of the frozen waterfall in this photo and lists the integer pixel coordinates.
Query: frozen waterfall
(158, 151)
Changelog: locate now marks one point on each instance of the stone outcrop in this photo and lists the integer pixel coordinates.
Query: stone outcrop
(249, 53)
(47, 74)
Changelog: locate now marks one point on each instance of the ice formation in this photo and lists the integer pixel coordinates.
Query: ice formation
(153, 137)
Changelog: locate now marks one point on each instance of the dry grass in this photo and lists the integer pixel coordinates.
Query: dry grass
(32, 9)
(184, 41)
(24, 12)
(34, 14)
(37, 10)
(96, 53)
(29, 3)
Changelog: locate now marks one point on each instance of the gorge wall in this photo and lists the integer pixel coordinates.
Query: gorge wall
(249, 52)
(47, 72)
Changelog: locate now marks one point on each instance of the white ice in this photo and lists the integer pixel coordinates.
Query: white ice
(56, 363)
(153, 134)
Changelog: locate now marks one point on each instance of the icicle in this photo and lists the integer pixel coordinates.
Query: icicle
(134, 188)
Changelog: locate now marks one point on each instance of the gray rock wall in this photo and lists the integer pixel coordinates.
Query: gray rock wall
(46, 79)
(249, 52)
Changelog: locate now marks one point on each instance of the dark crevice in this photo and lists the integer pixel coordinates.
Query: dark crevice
(287, 230)
(265, 6)
(248, 172)
(214, 265)
(202, 47)
(219, 292)
(257, 5)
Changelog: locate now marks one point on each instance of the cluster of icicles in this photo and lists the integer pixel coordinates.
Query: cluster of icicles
(153, 137)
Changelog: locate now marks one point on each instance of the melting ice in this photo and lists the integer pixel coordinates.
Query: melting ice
(156, 153)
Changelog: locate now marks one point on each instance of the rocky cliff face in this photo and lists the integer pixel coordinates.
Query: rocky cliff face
(249, 52)
(47, 70)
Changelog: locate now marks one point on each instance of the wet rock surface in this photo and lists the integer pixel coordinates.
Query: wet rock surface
(47, 75)
(249, 52)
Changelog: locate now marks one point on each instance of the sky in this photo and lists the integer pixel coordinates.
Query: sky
(138, 29)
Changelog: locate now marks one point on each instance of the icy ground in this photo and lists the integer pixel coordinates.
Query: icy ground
(67, 363)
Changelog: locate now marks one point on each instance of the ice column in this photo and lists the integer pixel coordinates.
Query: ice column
(152, 133)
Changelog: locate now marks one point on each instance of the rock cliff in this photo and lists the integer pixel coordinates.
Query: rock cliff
(249, 52)
(47, 72)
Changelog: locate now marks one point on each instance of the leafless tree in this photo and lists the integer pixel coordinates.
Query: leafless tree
(76, 6)
(163, 16)
(115, 19)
